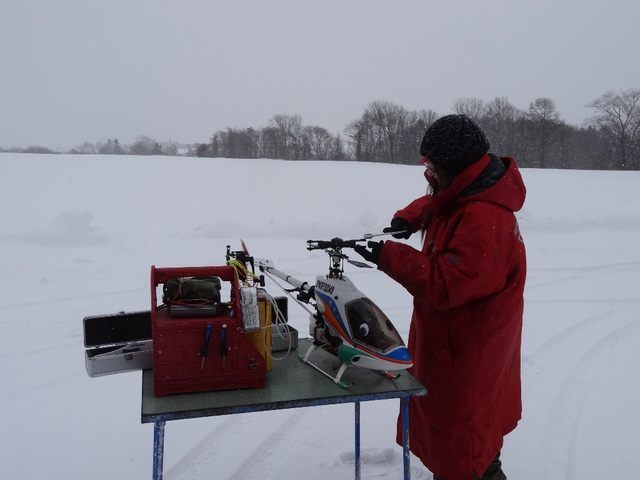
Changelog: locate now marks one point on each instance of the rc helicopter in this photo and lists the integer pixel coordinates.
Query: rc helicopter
(345, 322)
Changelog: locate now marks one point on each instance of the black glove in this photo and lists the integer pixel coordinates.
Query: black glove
(370, 255)
(402, 228)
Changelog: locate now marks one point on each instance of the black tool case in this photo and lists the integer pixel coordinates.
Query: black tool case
(118, 343)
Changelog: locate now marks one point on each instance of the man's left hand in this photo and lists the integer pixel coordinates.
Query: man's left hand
(372, 255)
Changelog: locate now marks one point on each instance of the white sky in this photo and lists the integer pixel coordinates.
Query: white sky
(82, 70)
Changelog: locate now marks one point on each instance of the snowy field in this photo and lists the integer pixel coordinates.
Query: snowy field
(78, 235)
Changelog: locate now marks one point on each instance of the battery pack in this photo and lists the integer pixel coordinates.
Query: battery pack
(250, 311)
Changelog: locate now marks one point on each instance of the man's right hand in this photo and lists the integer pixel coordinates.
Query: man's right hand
(399, 228)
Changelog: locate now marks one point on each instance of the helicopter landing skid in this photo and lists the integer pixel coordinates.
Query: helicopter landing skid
(389, 375)
(336, 379)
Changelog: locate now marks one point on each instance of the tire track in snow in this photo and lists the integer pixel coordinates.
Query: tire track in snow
(271, 453)
(247, 446)
(549, 367)
(563, 275)
(558, 455)
(211, 450)
(556, 344)
(385, 463)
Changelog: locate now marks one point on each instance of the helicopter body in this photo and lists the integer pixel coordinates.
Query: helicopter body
(346, 322)
(368, 338)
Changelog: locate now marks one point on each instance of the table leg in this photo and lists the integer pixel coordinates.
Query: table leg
(158, 449)
(405, 437)
(357, 446)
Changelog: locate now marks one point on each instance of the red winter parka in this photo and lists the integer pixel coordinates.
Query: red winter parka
(467, 285)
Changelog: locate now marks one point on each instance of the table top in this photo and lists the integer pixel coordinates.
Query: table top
(290, 384)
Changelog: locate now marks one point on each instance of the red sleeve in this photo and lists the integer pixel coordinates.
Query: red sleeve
(472, 265)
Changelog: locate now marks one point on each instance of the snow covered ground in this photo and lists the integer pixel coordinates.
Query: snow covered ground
(78, 235)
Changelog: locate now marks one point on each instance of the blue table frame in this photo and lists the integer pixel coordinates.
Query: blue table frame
(290, 384)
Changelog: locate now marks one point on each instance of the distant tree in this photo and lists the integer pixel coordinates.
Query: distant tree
(250, 143)
(203, 150)
(416, 125)
(320, 143)
(582, 148)
(235, 143)
(356, 132)
(337, 151)
(388, 133)
(618, 118)
(170, 149)
(389, 122)
(284, 138)
(379, 134)
(117, 148)
(245, 143)
(270, 144)
(543, 130)
(426, 118)
(85, 149)
(105, 148)
(145, 146)
(35, 149)
(503, 124)
(473, 108)
(112, 147)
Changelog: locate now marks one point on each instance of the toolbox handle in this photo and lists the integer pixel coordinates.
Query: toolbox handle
(161, 275)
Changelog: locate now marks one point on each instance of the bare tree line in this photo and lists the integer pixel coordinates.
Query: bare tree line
(142, 146)
(389, 133)
(285, 138)
(610, 139)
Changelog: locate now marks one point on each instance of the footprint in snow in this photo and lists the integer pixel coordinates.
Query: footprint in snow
(383, 462)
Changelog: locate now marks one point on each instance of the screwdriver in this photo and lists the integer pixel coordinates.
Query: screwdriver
(204, 351)
(223, 345)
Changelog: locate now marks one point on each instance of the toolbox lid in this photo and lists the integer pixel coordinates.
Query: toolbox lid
(115, 329)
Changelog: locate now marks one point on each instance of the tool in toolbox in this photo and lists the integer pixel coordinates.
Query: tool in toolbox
(223, 345)
(204, 351)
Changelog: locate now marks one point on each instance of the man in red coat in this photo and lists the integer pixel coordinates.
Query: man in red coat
(467, 284)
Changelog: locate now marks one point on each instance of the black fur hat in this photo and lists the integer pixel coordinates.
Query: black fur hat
(454, 142)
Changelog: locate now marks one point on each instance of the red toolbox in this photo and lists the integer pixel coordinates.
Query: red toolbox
(178, 365)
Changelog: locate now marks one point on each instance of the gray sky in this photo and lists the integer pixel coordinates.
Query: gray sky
(86, 70)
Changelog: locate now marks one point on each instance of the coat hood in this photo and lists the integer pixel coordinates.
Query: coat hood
(492, 179)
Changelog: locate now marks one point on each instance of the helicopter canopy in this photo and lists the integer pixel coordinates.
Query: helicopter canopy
(370, 326)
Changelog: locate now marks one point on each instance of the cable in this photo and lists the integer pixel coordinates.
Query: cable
(243, 273)
(280, 320)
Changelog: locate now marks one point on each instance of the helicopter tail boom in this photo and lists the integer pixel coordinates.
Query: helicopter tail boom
(268, 267)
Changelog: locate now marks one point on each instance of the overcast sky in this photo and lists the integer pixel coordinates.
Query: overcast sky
(85, 70)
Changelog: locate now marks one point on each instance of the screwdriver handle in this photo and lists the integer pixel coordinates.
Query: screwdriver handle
(204, 351)
(223, 342)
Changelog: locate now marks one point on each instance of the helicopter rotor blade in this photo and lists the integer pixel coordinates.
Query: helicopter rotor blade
(244, 247)
(358, 264)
